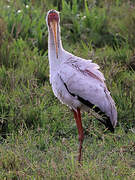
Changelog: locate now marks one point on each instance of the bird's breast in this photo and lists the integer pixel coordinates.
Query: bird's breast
(61, 92)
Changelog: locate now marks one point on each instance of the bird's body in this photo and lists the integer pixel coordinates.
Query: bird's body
(77, 82)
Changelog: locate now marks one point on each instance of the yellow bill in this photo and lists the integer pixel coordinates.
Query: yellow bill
(53, 25)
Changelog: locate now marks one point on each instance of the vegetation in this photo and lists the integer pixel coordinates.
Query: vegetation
(39, 138)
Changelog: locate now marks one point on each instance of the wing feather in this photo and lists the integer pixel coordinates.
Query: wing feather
(86, 66)
(83, 79)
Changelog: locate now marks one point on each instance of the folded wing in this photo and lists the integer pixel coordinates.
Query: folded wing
(83, 79)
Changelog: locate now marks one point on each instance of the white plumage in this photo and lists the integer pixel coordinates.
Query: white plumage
(76, 82)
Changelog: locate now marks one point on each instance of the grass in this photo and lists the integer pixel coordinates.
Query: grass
(39, 139)
(36, 154)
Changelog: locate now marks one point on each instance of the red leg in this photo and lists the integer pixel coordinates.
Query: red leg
(77, 116)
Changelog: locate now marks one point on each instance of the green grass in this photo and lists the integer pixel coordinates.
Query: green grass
(36, 154)
(39, 138)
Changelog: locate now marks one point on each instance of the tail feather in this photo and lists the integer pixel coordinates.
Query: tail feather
(107, 124)
(113, 112)
(107, 121)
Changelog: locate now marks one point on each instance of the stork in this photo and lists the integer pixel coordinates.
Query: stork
(77, 82)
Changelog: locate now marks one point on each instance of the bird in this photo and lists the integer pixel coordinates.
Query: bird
(77, 82)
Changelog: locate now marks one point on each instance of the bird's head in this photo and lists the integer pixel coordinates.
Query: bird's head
(52, 20)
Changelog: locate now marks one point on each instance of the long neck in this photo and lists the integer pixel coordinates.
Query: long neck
(53, 60)
(63, 55)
